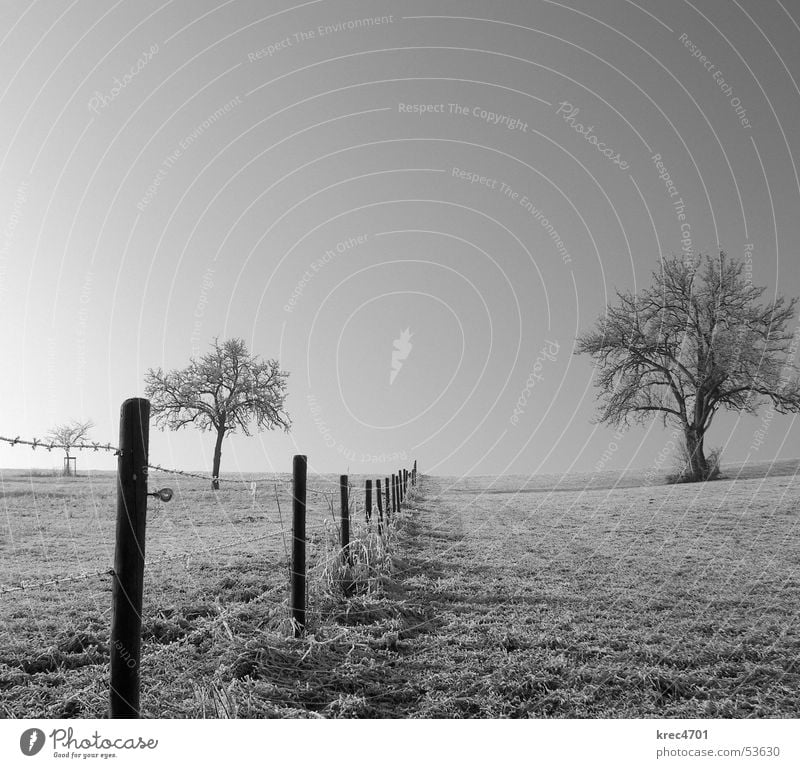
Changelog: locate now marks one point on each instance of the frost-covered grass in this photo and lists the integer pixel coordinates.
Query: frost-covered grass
(663, 601)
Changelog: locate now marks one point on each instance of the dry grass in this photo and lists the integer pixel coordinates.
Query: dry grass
(671, 601)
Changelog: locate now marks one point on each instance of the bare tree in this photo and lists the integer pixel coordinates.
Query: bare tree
(696, 341)
(68, 435)
(223, 391)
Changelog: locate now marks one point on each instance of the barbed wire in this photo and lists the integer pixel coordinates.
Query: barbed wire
(245, 481)
(267, 480)
(55, 581)
(50, 445)
(195, 553)
(184, 473)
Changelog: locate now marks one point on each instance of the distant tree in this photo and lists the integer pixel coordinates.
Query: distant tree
(223, 391)
(696, 341)
(68, 435)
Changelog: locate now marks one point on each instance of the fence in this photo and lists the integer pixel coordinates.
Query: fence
(127, 574)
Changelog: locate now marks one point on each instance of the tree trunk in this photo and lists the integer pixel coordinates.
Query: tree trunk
(217, 458)
(698, 466)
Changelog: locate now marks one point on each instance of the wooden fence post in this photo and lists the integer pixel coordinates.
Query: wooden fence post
(380, 506)
(399, 482)
(395, 500)
(344, 492)
(414, 473)
(388, 508)
(405, 481)
(126, 619)
(344, 498)
(368, 501)
(298, 572)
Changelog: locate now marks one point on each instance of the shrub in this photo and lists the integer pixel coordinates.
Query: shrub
(682, 466)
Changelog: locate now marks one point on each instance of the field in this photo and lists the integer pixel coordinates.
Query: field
(573, 597)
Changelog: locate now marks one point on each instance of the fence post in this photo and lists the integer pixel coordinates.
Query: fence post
(345, 513)
(368, 501)
(388, 507)
(379, 497)
(126, 619)
(414, 473)
(405, 481)
(399, 482)
(395, 500)
(298, 573)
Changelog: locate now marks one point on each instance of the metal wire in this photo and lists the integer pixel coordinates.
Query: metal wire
(55, 581)
(49, 445)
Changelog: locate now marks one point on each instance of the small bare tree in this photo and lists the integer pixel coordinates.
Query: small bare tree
(68, 435)
(697, 340)
(223, 391)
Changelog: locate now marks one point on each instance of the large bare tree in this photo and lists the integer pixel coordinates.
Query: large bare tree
(697, 340)
(68, 435)
(225, 390)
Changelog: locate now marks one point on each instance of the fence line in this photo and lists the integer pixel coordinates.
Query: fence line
(109, 570)
(49, 445)
(335, 564)
(54, 581)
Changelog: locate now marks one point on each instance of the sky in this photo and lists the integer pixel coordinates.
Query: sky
(416, 208)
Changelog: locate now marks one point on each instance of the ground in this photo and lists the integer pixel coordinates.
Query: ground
(490, 598)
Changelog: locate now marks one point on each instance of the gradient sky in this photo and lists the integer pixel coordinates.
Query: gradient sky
(257, 176)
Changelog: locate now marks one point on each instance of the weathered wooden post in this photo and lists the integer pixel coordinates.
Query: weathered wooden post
(388, 507)
(395, 500)
(298, 572)
(368, 500)
(414, 473)
(405, 481)
(126, 619)
(379, 497)
(344, 498)
(344, 492)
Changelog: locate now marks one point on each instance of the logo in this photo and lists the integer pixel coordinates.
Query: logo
(31, 741)
(402, 349)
